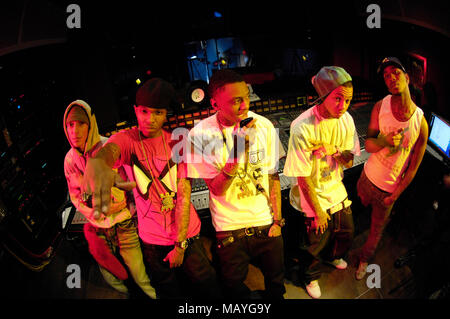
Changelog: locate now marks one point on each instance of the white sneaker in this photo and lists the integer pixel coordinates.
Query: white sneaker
(361, 271)
(313, 289)
(338, 263)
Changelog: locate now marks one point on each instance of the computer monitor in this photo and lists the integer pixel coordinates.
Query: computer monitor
(440, 135)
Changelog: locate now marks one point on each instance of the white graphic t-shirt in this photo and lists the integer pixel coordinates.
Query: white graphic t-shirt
(245, 203)
(326, 172)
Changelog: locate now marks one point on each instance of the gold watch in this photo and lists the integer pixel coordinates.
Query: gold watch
(181, 244)
(281, 222)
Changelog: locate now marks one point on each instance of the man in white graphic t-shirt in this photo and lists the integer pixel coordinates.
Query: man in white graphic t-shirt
(322, 141)
(239, 164)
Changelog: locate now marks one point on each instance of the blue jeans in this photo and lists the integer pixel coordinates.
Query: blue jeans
(194, 278)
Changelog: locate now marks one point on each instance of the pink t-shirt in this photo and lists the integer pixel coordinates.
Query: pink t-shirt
(155, 226)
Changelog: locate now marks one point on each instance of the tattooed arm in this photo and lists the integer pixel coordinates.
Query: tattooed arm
(275, 201)
(182, 214)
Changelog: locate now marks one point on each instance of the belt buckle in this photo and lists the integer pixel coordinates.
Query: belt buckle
(249, 231)
(336, 208)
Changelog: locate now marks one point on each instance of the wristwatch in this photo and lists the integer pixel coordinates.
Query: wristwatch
(181, 244)
(281, 222)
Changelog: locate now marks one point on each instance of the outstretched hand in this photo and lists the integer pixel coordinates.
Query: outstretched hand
(97, 181)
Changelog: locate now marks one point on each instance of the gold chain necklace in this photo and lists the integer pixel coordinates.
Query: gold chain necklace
(167, 203)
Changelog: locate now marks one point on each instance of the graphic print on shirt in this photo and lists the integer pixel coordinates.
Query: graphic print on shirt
(142, 178)
(387, 159)
(325, 171)
(163, 187)
(247, 174)
(403, 144)
(256, 157)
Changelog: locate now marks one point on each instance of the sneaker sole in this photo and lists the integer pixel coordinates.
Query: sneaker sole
(360, 278)
(337, 267)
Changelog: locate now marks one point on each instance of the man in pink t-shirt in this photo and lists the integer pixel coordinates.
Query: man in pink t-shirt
(168, 224)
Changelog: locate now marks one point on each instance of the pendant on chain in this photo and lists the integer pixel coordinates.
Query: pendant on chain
(167, 201)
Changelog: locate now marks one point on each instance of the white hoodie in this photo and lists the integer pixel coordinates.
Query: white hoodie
(74, 166)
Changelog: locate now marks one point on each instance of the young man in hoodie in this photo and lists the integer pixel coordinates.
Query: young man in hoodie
(115, 230)
(169, 226)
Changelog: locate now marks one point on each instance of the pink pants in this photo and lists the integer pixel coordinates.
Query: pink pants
(372, 195)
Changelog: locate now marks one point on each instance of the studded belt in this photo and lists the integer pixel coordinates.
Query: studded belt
(224, 238)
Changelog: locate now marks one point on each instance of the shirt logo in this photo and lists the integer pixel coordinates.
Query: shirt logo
(144, 180)
(256, 157)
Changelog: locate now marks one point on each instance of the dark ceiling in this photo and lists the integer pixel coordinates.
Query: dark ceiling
(31, 23)
(117, 40)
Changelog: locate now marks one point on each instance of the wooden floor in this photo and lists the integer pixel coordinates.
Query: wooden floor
(410, 224)
(20, 282)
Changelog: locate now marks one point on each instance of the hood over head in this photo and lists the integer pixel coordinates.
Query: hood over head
(93, 135)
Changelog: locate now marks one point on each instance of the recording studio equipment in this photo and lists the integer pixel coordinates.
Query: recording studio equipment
(197, 95)
(440, 137)
(281, 111)
(32, 186)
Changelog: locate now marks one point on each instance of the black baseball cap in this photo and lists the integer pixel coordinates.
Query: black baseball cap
(156, 93)
(390, 61)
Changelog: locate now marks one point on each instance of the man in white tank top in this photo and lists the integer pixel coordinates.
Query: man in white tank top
(397, 138)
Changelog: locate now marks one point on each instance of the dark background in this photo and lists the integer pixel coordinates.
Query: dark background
(44, 66)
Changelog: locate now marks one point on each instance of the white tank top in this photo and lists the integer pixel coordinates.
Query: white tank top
(386, 166)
